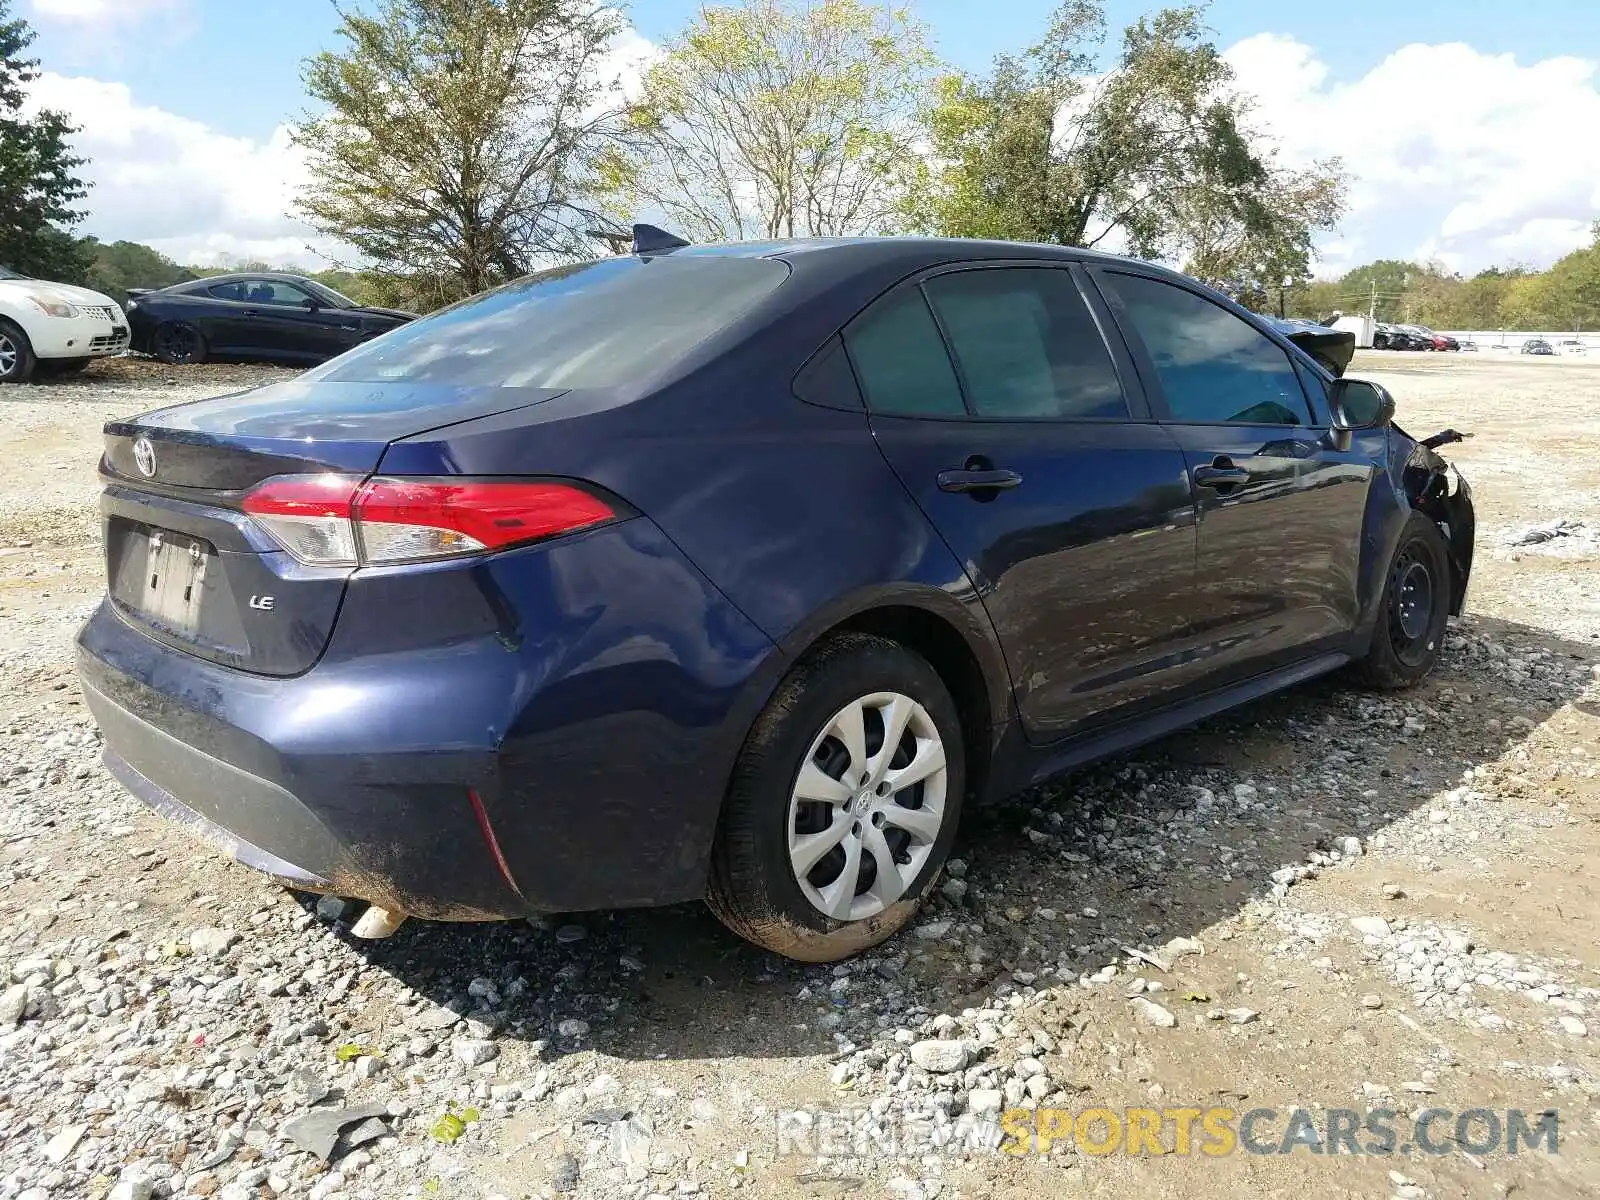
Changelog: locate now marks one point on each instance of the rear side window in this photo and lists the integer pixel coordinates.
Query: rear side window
(1026, 344)
(827, 380)
(1214, 367)
(593, 324)
(900, 359)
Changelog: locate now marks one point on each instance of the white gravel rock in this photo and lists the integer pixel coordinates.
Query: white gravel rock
(474, 1052)
(983, 1102)
(1153, 1013)
(212, 941)
(939, 1056)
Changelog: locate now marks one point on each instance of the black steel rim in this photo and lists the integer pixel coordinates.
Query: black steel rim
(179, 343)
(1412, 598)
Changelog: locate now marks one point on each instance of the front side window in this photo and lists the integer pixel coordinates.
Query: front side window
(1214, 367)
(900, 359)
(1026, 344)
(275, 291)
(595, 324)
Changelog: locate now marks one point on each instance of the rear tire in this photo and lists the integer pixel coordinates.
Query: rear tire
(1415, 609)
(17, 362)
(179, 344)
(825, 851)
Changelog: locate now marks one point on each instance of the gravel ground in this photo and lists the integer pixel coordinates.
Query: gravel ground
(1331, 900)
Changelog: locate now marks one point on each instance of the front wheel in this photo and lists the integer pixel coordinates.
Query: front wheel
(843, 805)
(17, 362)
(180, 344)
(1416, 607)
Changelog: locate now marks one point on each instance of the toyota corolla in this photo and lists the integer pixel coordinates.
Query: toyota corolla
(737, 571)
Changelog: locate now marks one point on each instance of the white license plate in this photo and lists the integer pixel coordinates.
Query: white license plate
(175, 571)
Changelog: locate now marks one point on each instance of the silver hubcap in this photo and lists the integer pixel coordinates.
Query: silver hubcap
(8, 355)
(867, 806)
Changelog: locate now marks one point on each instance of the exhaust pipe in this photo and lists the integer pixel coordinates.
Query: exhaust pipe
(379, 922)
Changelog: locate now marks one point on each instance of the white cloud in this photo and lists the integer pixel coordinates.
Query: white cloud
(178, 185)
(201, 196)
(1468, 157)
(626, 60)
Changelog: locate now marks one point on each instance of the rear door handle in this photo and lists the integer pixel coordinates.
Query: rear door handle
(250, 312)
(1221, 475)
(978, 481)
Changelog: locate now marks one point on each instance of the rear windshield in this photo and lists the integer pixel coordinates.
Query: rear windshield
(593, 324)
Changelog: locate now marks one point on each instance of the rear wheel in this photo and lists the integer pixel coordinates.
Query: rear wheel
(179, 343)
(17, 362)
(1416, 607)
(843, 805)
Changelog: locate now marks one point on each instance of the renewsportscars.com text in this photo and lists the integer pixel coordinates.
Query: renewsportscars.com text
(1210, 1132)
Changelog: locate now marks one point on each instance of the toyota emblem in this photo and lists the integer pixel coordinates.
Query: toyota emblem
(144, 457)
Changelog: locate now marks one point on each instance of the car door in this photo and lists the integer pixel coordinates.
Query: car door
(226, 320)
(1281, 505)
(291, 323)
(998, 401)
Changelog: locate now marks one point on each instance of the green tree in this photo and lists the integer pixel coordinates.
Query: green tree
(1057, 145)
(1570, 293)
(1431, 299)
(1383, 283)
(1318, 299)
(456, 140)
(1481, 298)
(39, 187)
(778, 118)
(1256, 243)
(115, 267)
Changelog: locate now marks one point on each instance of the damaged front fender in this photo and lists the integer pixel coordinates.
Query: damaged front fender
(1435, 487)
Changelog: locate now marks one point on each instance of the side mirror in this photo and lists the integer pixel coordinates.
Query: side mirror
(1358, 404)
(310, 305)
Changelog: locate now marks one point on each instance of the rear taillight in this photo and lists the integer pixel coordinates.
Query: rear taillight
(310, 516)
(337, 520)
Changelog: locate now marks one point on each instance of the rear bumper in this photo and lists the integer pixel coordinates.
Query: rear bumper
(485, 741)
(155, 767)
(229, 767)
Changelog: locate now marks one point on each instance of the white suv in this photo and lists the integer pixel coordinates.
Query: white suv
(54, 327)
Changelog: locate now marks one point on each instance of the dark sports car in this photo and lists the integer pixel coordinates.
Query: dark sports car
(263, 315)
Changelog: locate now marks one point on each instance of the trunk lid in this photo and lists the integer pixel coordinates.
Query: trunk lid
(186, 565)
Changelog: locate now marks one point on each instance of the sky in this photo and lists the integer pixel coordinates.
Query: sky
(1472, 130)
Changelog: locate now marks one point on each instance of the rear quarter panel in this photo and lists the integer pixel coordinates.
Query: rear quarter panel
(787, 507)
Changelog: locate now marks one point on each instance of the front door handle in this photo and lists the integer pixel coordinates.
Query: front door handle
(991, 480)
(1221, 475)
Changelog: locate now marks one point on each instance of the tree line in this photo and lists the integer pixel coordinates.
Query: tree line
(456, 144)
(1564, 297)
(459, 143)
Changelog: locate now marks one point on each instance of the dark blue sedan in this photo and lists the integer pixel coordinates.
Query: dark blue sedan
(737, 571)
